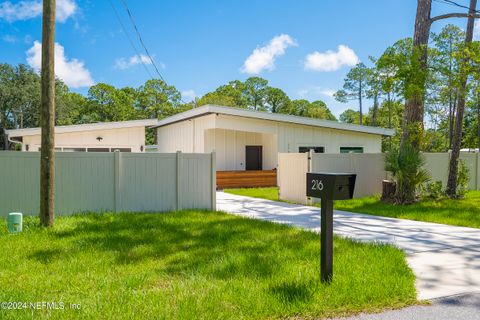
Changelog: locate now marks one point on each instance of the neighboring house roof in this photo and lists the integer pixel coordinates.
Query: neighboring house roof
(84, 127)
(212, 109)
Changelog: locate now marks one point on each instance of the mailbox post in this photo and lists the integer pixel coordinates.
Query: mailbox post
(329, 187)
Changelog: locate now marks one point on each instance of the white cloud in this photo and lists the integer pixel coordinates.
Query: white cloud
(328, 92)
(264, 57)
(9, 38)
(25, 10)
(71, 71)
(125, 63)
(315, 91)
(189, 95)
(331, 60)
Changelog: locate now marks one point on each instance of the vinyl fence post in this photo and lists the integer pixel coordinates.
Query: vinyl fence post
(179, 181)
(213, 160)
(310, 201)
(117, 182)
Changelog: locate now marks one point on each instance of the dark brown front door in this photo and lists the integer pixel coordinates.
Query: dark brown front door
(253, 155)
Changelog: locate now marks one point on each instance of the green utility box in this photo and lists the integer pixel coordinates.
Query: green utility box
(15, 222)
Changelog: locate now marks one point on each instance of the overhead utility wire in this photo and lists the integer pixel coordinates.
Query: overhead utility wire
(130, 39)
(141, 39)
(143, 44)
(455, 4)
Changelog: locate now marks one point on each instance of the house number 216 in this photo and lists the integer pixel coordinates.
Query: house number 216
(317, 185)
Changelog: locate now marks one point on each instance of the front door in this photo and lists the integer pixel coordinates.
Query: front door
(253, 155)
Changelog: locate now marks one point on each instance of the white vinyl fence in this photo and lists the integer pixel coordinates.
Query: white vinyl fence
(87, 182)
(369, 167)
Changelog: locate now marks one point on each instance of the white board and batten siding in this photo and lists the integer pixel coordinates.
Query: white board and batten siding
(228, 136)
(97, 182)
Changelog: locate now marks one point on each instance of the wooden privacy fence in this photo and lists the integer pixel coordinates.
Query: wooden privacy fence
(87, 182)
(369, 167)
(246, 179)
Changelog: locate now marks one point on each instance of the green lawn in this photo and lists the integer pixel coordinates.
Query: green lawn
(192, 265)
(464, 212)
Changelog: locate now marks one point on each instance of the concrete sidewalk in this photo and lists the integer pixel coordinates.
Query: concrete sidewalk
(445, 259)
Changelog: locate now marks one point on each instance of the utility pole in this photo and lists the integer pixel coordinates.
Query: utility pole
(47, 116)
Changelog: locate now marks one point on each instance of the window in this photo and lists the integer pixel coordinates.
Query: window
(351, 149)
(122, 149)
(315, 149)
(74, 149)
(98, 150)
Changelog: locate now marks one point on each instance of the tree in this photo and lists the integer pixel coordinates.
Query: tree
(71, 108)
(47, 118)
(230, 95)
(299, 107)
(445, 64)
(457, 138)
(350, 116)
(319, 110)
(217, 99)
(375, 86)
(107, 103)
(415, 83)
(390, 67)
(276, 100)
(19, 99)
(255, 89)
(354, 87)
(158, 100)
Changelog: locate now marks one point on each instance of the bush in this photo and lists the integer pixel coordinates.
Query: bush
(433, 190)
(463, 178)
(406, 166)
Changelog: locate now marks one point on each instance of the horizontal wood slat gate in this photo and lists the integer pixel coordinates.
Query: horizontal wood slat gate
(246, 179)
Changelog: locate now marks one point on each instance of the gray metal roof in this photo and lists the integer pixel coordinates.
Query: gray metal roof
(211, 109)
(85, 127)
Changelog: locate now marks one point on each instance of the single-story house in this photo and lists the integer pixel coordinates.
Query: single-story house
(125, 136)
(251, 140)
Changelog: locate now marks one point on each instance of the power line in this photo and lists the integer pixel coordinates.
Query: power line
(455, 4)
(143, 44)
(141, 39)
(130, 39)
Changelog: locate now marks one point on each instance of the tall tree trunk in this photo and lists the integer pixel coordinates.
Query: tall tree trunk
(457, 138)
(3, 136)
(360, 101)
(450, 124)
(413, 115)
(450, 99)
(47, 116)
(375, 110)
(389, 101)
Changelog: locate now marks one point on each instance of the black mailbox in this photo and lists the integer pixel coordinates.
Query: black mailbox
(331, 186)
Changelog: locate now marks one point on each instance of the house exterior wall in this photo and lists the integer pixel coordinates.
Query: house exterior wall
(229, 146)
(133, 138)
(292, 136)
(181, 135)
(229, 135)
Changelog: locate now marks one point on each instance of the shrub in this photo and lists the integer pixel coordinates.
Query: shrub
(433, 190)
(406, 166)
(463, 178)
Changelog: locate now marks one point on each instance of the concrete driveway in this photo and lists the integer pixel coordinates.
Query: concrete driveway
(445, 259)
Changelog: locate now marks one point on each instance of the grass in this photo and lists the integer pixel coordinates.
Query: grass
(192, 265)
(464, 212)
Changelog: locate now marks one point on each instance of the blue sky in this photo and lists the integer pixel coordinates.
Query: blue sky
(199, 45)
